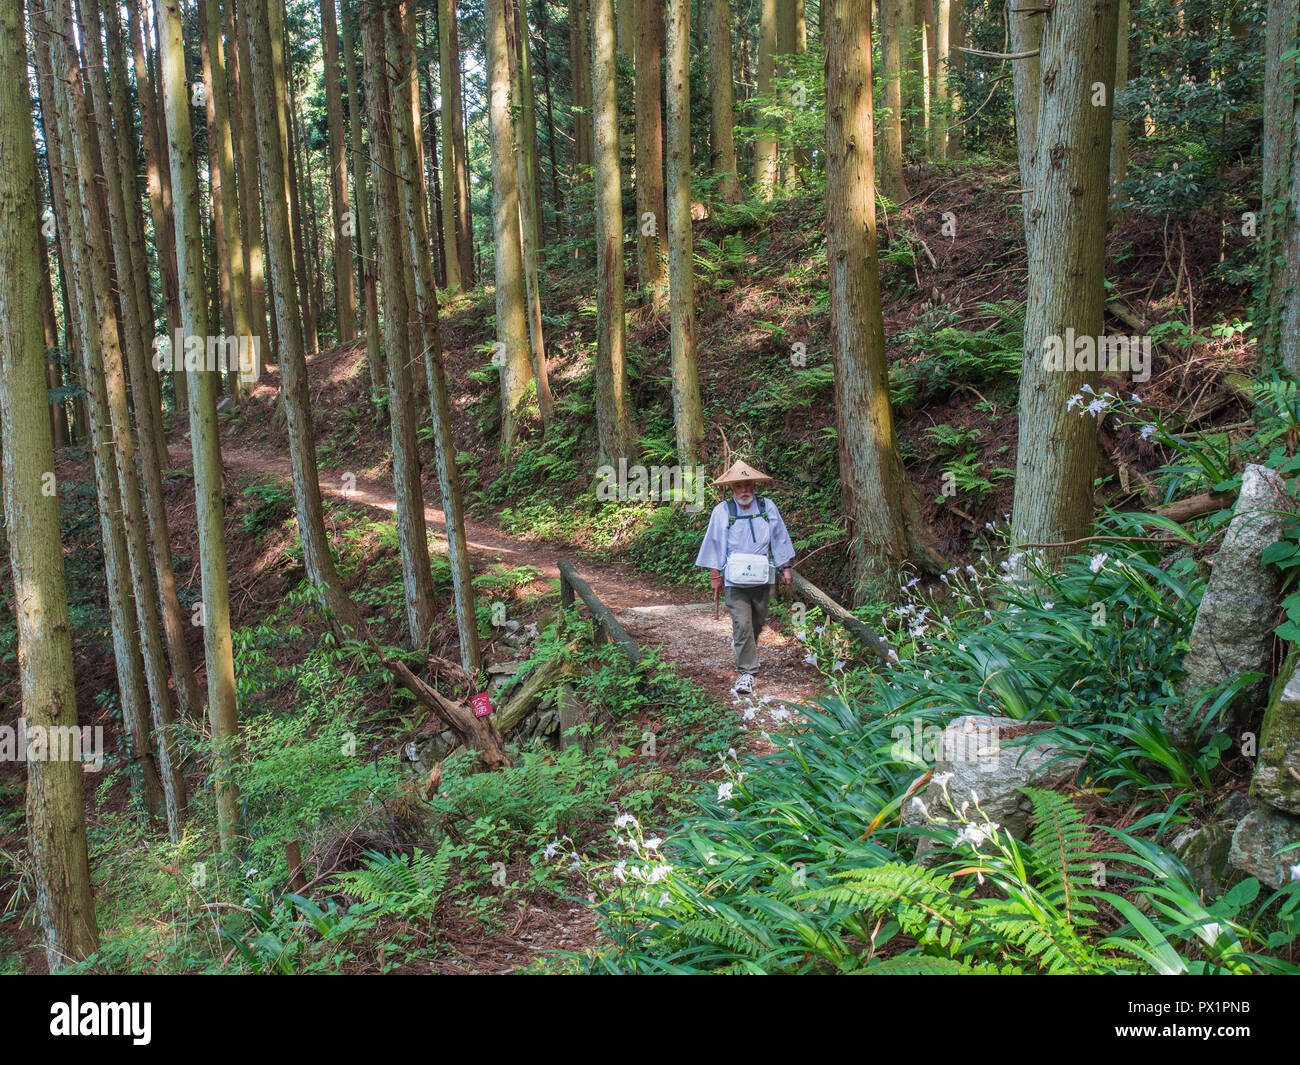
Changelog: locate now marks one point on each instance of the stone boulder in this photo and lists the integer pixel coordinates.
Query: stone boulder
(1233, 631)
(1277, 773)
(976, 754)
(1258, 842)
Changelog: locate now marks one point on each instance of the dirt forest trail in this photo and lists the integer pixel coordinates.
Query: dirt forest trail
(655, 614)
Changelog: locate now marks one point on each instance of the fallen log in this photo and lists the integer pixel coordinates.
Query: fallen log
(1196, 506)
(605, 622)
(530, 694)
(832, 609)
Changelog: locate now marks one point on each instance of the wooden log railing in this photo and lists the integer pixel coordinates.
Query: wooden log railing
(607, 627)
(809, 591)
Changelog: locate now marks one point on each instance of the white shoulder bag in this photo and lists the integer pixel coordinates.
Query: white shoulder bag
(747, 570)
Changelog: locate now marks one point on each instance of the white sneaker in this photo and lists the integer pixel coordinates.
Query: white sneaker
(745, 685)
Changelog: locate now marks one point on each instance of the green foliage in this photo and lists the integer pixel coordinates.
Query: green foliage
(271, 502)
(408, 886)
(939, 357)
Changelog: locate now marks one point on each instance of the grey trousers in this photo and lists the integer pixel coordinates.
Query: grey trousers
(748, 609)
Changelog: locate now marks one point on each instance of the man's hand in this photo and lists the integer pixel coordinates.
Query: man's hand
(787, 575)
(715, 580)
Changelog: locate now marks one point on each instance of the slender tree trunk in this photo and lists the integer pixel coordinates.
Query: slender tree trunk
(70, 228)
(414, 223)
(1280, 336)
(389, 115)
(344, 219)
(527, 125)
(722, 113)
(956, 64)
(106, 372)
(448, 78)
(250, 202)
(688, 415)
(650, 257)
(613, 416)
(765, 145)
(939, 79)
(374, 357)
(1066, 221)
(1119, 125)
(627, 23)
(557, 200)
(1026, 36)
(580, 64)
(159, 192)
(136, 329)
(148, 391)
(528, 212)
(892, 39)
(307, 232)
(53, 358)
(512, 352)
(883, 516)
(233, 244)
(56, 815)
(223, 715)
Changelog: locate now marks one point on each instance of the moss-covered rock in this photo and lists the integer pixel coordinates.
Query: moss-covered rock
(1277, 775)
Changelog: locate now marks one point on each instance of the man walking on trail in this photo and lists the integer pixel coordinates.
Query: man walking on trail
(744, 546)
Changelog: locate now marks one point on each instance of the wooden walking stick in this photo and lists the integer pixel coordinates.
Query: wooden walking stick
(717, 608)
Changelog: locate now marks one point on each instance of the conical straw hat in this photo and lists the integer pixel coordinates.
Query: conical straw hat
(741, 471)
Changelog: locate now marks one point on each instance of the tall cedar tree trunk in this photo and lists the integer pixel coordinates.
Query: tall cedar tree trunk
(250, 200)
(914, 87)
(884, 518)
(1280, 337)
(233, 243)
(105, 371)
(626, 29)
(957, 63)
(304, 189)
(939, 93)
(448, 76)
(615, 438)
(223, 715)
(765, 146)
(403, 88)
(1119, 125)
(528, 114)
(53, 357)
(892, 40)
(722, 112)
(414, 224)
(688, 416)
(56, 814)
(307, 316)
(374, 356)
(529, 226)
(580, 65)
(124, 140)
(344, 291)
(1026, 36)
(141, 372)
(512, 351)
(557, 200)
(1066, 222)
(389, 111)
(126, 637)
(159, 196)
(650, 252)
